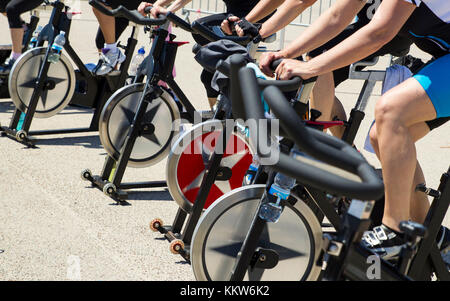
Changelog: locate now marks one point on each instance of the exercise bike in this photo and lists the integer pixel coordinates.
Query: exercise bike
(233, 242)
(42, 89)
(185, 187)
(265, 252)
(138, 131)
(27, 43)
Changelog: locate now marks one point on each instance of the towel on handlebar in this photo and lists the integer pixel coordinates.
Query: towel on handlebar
(209, 55)
(395, 75)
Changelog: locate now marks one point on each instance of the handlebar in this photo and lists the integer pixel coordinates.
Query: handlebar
(179, 22)
(131, 15)
(212, 36)
(284, 85)
(315, 143)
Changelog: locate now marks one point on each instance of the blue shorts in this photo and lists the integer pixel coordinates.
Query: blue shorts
(435, 80)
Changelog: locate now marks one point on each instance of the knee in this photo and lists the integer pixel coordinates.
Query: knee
(386, 112)
(373, 136)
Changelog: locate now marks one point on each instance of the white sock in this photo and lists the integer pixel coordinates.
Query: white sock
(113, 47)
(15, 55)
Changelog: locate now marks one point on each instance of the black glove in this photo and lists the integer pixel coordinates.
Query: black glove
(249, 28)
(232, 23)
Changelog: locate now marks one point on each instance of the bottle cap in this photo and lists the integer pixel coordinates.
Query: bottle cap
(141, 50)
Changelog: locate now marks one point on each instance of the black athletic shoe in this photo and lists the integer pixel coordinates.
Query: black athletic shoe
(384, 242)
(6, 67)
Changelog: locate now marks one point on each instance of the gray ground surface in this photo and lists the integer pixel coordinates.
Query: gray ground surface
(51, 220)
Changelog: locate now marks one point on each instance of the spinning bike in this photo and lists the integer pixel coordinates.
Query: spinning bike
(42, 89)
(258, 250)
(232, 241)
(138, 131)
(5, 50)
(185, 186)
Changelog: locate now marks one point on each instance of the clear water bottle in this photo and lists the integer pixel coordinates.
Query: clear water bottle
(281, 189)
(136, 62)
(57, 47)
(34, 38)
(251, 170)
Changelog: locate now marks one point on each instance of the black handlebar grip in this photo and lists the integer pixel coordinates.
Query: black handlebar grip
(179, 22)
(370, 189)
(237, 61)
(131, 15)
(211, 36)
(274, 64)
(148, 9)
(324, 147)
(101, 8)
(284, 85)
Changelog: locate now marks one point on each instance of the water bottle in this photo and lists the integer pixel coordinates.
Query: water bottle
(136, 62)
(34, 38)
(57, 47)
(249, 175)
(281, 189)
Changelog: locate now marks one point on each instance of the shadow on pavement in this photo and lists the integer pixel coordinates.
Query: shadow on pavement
(85, 141)
(159, 195)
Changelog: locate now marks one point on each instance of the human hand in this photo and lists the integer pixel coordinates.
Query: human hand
(142, 6)
(226, 24)
(266, 59)
(289, 68)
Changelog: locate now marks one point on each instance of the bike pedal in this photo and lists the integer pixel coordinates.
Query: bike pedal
(428, 191)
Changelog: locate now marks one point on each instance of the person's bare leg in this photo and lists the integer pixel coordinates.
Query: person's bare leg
(212, 101)
(16, 38)
(107, 25)
(395, 112)
(323, 99)
(419, 200)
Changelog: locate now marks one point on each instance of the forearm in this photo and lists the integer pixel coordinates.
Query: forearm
(263, 9)
(361, 44)
(178, 4)
(384, 26)
(325, 28)
(284, 15)
(162, 3)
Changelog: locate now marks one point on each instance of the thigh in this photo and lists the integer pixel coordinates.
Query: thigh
(408, 103)
(434, 79)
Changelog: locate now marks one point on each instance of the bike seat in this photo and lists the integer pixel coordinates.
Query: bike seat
(401, 53)
(364, 63)
(270, 39)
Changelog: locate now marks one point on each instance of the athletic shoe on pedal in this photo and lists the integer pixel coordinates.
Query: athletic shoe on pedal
(6, 67)
(109, 59)
(384, 242)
